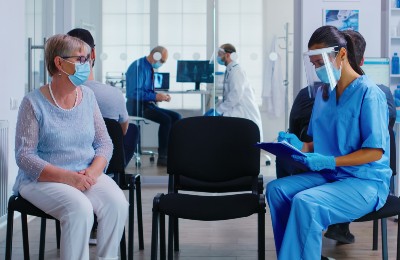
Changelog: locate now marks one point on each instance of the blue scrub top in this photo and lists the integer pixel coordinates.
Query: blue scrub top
(359, 119)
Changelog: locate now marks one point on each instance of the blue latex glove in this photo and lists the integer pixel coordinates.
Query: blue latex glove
(397, 102)
(212, 112)
(291, 139)
(316, 161)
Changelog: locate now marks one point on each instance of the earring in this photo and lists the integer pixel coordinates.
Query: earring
(59, 74)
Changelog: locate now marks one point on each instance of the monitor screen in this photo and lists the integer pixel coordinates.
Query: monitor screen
(378, 70)
(161, 80)
(197, 71)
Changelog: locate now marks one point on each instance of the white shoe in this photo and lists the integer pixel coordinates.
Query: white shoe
(93, 237)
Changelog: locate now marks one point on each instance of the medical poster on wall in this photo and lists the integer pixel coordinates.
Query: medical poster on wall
(342, 19)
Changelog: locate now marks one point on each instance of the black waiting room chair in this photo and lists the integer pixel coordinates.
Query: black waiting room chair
(17, 203)
(390, 209)
(213, 155)
(116, 169)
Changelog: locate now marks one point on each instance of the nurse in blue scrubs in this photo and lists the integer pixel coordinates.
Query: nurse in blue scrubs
(348, 158)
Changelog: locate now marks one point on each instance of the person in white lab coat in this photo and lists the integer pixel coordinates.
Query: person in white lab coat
(238, 96)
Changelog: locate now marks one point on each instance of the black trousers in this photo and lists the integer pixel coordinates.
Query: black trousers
(165, 118)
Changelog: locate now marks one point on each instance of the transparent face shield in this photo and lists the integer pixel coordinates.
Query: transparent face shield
(321, 70)
(220, 54)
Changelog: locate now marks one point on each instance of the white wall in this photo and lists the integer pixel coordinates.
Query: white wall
(13, 69)
(311, 17)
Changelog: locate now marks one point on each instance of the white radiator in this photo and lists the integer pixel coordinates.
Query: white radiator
(3, 167)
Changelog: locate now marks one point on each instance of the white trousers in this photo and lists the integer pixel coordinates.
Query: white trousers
(75, 210)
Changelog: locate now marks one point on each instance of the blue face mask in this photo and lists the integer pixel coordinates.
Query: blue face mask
(220, 61)
(157, 65)
(323, 74)
(82, 72)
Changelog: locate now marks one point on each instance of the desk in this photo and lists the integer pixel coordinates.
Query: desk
(203, 93)
(189, 92)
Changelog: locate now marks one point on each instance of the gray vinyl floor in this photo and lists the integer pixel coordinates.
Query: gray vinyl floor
(222, 240)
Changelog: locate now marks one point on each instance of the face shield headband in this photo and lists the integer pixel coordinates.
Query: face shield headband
(321, 70)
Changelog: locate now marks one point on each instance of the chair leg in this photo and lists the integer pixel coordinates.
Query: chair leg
(384, 238)
(261, 236)
(154, 234)
(131, 226)
(122, 246)
(42, 238)
(375, 235)
(171, 230)
(25, 241)
(162, 237)
(58, 233)
(398, 240)
(10, 226)
(176, 234)
(261, 229)
(139, 211)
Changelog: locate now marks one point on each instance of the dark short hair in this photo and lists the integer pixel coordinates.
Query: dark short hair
(228, 48)
(84, 35)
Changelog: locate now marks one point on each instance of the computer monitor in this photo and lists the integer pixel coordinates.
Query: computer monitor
(161, 80)
(378, 70)
(197, 71)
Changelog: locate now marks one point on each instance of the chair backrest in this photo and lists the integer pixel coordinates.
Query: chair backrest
(214, 149)
(117, 162)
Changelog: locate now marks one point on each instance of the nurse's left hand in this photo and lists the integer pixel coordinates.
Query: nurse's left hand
(316, 161)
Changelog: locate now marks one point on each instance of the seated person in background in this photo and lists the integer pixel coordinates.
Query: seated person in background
(349, 172)
(238, 96)
(110, 99)
(298, 125)
(141, 97)
(62, 149)
(111, 102)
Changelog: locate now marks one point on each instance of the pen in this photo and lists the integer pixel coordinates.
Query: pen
(276, 138)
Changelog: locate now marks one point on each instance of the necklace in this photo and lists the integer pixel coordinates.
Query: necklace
(55, 102)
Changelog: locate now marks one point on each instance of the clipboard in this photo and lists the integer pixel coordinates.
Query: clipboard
(284, 150)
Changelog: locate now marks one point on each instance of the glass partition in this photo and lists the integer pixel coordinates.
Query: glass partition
(39, 26)
(192, 31)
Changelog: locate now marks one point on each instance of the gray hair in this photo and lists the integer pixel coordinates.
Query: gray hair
(62, 45)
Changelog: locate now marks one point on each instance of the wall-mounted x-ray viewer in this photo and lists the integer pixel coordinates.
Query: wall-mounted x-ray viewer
(161, 80)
